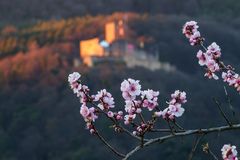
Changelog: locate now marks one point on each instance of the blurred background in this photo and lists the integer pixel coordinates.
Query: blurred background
(41, 42)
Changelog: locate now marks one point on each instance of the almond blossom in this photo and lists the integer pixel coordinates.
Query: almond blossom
(189, 28)
(211, 75)
(175, 106)
(149, 99)
(72, 80)
(140, 129)
(208, 59)
(214, 50)
(230, 77)
(195, 38)
(132, 107)
(130, 89)
(129, 118)
(74, 77)
(211, 57)
(88, 113)
(105, 98)
(229, 152)
(237, 84)
(202, 57)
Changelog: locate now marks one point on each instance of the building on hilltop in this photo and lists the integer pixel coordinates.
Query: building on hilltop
(116, 48)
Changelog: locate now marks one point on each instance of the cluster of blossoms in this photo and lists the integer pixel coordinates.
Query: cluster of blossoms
(140, 129)
(190, 30)
(130, 90)
(135, 101)
(106, 100)
(229, 152)
(210, 58)
(232, 79)
(175, 106)
(82, 91)
(150, 99)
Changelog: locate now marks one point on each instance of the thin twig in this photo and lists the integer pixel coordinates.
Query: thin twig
(169, 125)
(130, 134)
(165, 130)
(229, 101)
(186, 133)
(221, 111)
(142, 118)
(122, 128)
(108, 145)
(213, 155)
(196, 142)
(203, 46)
(177, 125)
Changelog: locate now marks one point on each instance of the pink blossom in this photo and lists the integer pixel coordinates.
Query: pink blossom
(129, 118)
(140, 129)
(214, 50)
(176, 110)
(149, 94)
(211, 75)
(84, 111)
(229, 152)
(73, 81)
(167, 115)
(178, 97)
(230, 77)
(189, 28)
(110, 114)
(130, 89)
(237, 84)
(212, 65)
(92, 116)
(175, 106)
(202, 57)
(105, 98)
(74, 77)
(119, 115)
(132, 107)
(149, 99)
(88, 113)
(195, 38)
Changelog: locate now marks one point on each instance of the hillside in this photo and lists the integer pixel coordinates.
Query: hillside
(34, 10)
(39, 115)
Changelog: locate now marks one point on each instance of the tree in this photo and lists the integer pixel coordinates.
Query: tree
(138, 102)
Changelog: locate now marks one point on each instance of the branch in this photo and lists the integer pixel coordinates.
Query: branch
(213, 155)
(196, 142)
(182, 134)
(222, 113)
(108, 145)
(114, 121)
(130, 134)
(229, 101)
(165, 130)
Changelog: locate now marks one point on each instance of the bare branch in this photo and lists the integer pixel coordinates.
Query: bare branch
(213, 155)
(221, 111)
(165, 130)
(182, 134)
(196, 142)
(108, 145)
(229, 101)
